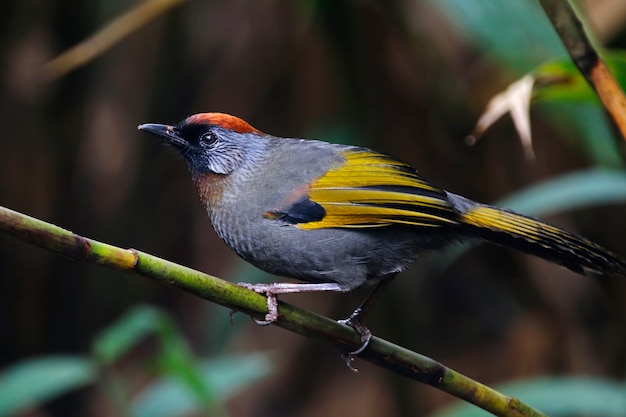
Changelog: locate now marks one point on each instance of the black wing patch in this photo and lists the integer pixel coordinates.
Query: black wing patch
(302, 211)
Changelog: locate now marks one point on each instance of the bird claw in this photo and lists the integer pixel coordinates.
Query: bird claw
(260, 322)
(354, 321)
(348, 359)
(231, 314)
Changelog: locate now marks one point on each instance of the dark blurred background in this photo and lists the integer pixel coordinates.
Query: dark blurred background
(409, 78)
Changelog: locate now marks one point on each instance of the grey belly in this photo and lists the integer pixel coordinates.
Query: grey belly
(349, 257)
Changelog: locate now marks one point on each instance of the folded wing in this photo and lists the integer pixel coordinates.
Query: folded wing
(370, 190)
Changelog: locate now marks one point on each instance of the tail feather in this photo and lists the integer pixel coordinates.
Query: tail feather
(538, 238)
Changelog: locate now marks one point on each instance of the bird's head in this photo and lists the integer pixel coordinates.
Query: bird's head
(211, 143)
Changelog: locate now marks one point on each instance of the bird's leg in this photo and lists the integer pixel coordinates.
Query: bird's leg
(358, 316)
(274, 289)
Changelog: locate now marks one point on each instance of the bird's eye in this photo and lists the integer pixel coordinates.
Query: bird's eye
(208, 138)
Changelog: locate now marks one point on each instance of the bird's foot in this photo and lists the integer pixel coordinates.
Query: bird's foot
(272, 301)
(354, 321)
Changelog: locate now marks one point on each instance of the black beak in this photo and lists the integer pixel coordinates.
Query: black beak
(169, 133)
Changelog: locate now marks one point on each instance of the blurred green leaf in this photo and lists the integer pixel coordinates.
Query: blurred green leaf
(579, 396)
(587, 127)
(117, 339)
(34, 381)
(571, 191)
(516, 32)
(560, 80)
(224, 376)
(177, 360)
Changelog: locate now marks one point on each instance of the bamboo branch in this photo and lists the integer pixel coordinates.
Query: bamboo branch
(587, 59)
(395, 358)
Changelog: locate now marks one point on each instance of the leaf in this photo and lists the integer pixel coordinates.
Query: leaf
(563, 94)
(32, 382)
(568, 192)
(177, 361)
(117, 339)
(587, 127)
(224, 376)
(560, 80)
(516, 32)
(175, 357)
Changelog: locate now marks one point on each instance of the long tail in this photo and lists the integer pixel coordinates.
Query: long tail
(529, 235)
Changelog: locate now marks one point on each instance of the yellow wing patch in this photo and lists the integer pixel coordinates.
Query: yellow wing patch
(375, 190)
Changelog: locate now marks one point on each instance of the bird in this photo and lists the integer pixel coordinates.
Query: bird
(341, 217)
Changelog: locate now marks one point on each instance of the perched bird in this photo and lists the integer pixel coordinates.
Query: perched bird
(342, 217)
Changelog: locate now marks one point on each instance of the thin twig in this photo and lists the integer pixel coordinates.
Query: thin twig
(108, 36)
(587, 59)
(381, 352)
